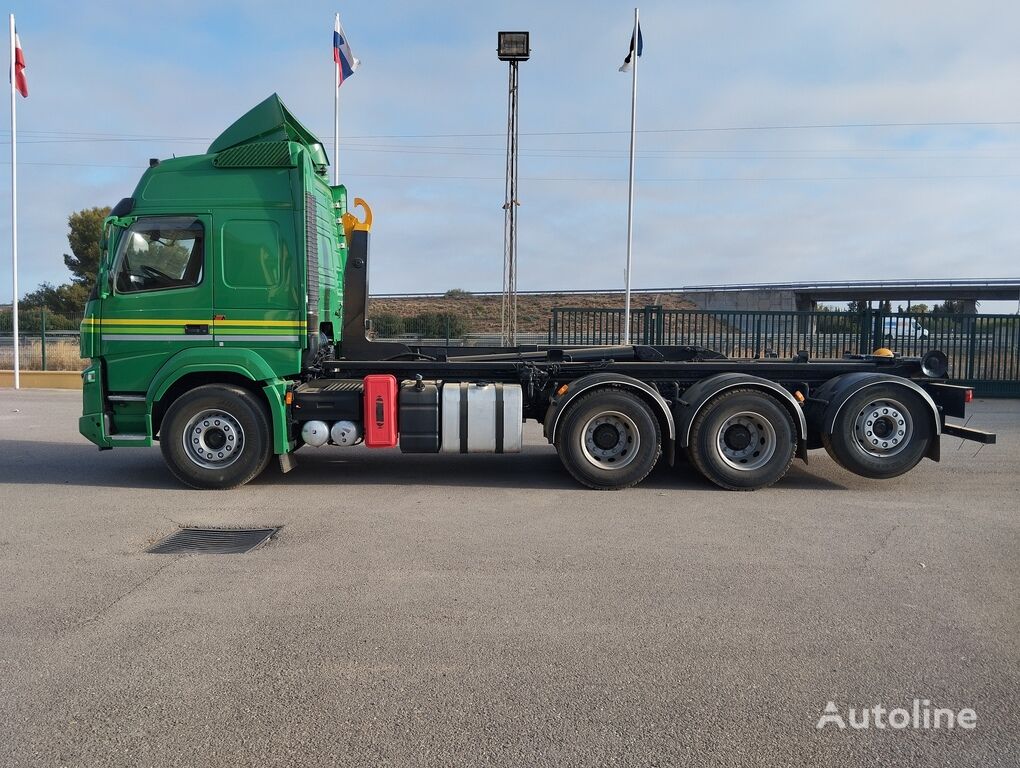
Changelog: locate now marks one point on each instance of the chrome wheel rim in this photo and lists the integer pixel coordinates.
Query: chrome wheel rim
(213, 439)
(883, 428)
(610, 440)
(746, 441)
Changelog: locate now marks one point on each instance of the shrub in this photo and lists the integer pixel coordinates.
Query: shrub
(437, 325)
(387, 324)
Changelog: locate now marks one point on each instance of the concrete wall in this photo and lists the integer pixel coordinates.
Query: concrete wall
(745, 301)
(43, 379)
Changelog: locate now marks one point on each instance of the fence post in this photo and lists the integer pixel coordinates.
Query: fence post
(757, 336)
(554, 330)
(42, 333)
(864, 331)
(971, 321)
(877, 331)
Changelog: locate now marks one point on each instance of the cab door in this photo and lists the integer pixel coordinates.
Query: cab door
(160, 299)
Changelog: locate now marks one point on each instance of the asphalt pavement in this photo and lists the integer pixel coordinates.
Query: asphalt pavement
(436, 611)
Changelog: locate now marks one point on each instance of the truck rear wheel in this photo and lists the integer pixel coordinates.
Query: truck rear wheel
(216, 437)
(742, 440)
(609, 440)
(880, 432)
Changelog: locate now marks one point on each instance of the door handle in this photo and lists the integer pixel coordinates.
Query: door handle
(195, 329)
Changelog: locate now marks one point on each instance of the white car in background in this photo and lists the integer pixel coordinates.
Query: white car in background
(903, 327)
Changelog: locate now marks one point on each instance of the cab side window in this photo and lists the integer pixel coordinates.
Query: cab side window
(160, 253)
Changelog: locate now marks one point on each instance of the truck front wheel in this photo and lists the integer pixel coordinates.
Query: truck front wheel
(216, 436)
(742, 440)
(609, 440)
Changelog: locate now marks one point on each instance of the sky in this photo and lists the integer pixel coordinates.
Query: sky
(780, 141)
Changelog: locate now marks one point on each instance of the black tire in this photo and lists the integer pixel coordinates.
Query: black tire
(219, 419)
(897, 407)
(629, 440)
(743, 440)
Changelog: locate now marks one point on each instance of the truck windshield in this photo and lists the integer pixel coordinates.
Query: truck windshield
(159, 253)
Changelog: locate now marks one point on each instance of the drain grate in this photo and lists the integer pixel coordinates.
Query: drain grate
(212, 541)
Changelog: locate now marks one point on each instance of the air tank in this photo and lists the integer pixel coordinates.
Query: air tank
(345, 433)
(315, 433)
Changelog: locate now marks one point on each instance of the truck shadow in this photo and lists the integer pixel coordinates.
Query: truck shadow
(538, 467)
(28, 462)
(32, 462)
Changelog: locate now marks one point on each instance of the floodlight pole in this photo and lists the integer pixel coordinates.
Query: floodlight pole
(510, 203)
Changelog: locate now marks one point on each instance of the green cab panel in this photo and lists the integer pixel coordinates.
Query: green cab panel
(256, 296)
(92, 423)
(246, 362)
(88, 332)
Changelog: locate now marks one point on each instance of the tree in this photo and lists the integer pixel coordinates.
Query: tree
(67, 299)
(86, 232)
(919, 309)
(858, 307)
(951, 307)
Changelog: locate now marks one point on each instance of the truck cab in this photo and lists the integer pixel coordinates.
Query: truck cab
(229, 262)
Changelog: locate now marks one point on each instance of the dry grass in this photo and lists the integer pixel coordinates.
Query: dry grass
(61, 355)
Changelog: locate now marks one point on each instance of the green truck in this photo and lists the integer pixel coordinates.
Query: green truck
(228, 324)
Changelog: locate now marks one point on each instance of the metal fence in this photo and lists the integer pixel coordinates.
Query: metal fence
(983, 350)
(46, 341)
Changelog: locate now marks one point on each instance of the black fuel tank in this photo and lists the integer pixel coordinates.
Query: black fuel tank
(418, 418)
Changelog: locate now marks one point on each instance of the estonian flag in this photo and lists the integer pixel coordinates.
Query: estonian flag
(19, 67)
(640, 45)
(345, 61)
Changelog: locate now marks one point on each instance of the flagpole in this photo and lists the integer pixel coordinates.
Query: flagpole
(14, 212)
(630, 187)
(336, 114)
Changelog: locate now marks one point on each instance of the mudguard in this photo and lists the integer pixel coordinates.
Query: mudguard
(610, 380)
(241, 361)
(697, 395)
(828, 400)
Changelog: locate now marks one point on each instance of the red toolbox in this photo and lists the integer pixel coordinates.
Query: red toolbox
(380, 411)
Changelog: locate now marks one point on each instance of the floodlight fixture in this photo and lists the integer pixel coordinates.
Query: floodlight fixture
(513, 46)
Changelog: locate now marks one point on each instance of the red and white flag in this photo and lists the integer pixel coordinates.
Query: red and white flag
(20, 82)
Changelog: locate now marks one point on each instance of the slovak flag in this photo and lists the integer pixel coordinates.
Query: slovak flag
(345, 61)
(20, 82)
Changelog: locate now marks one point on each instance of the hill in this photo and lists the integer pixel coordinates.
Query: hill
(482, 313)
